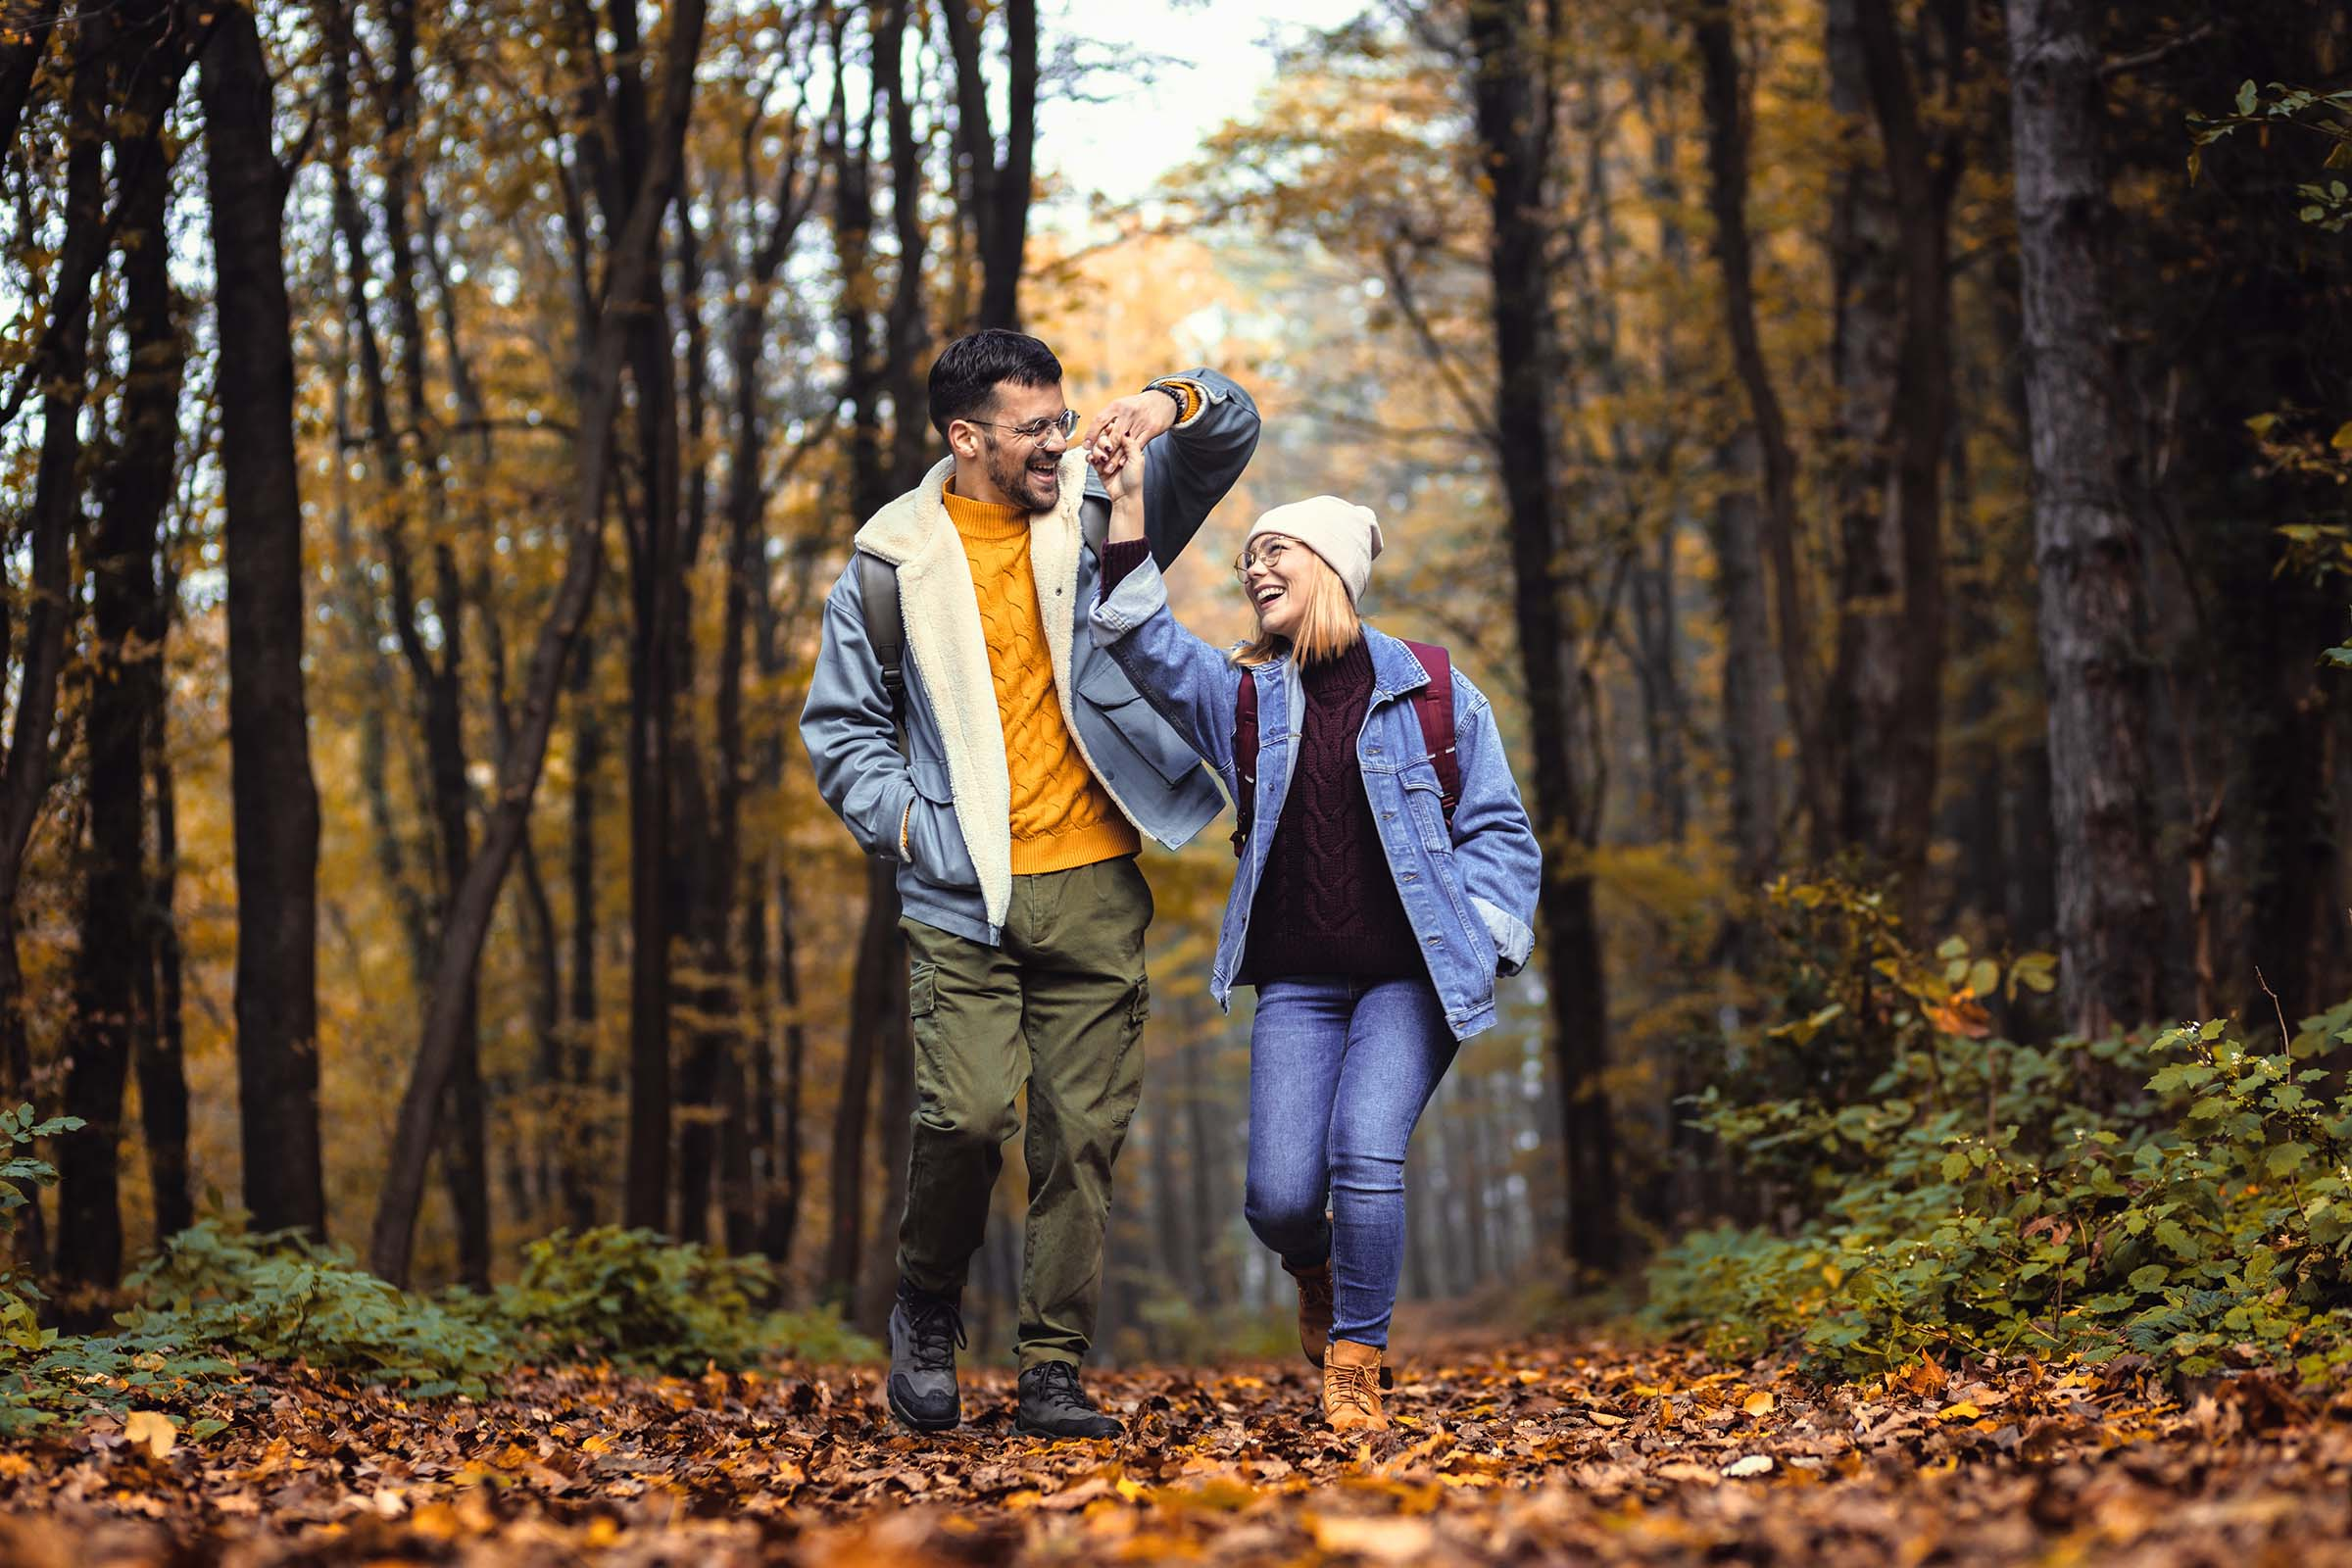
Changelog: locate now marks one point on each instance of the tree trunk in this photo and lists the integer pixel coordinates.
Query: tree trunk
(162, 1051)
(631, 256)
(1727, 113)
(26, 41)
(275, 799)
(997, 194)
(780, 1219)
(114, 962)
(2087, 540)
(89, 1220)
(702, 882)
(1892, 613)
(877, 993)
(587, 752)
(1750, 782)
(656, 586)
(1864, 701)
(1512, 93)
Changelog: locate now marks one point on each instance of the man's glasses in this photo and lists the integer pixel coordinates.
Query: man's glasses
(1035, 431)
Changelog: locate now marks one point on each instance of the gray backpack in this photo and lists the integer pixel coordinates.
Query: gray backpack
(886, 625)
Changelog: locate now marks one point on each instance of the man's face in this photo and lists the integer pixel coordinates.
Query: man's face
(1026, 473)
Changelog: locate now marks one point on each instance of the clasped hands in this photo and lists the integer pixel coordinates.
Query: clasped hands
(1115, 441)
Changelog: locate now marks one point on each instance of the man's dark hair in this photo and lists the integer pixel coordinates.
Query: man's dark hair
(967, 373)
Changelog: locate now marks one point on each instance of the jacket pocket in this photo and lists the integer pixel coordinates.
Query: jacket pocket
(934, 841)
(1425, 804)
(1107, 690)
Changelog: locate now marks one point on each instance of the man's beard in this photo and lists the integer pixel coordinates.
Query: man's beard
(1016, 484)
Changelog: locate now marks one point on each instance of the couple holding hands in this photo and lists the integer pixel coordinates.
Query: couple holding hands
(1009, 620)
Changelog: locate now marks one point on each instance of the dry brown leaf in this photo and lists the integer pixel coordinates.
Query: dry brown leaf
(152, 1431)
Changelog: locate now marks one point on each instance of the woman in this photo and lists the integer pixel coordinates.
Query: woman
(1372, 918)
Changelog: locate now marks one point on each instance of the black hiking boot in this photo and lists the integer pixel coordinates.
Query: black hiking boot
(925, 1333)
(1053, 1405)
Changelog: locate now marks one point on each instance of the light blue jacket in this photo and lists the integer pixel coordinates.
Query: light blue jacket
(950, 794)
(1469, 894)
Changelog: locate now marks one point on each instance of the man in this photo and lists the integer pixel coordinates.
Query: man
(1030, 773)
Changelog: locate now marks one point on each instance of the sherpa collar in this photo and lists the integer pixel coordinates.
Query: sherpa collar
(945, 644)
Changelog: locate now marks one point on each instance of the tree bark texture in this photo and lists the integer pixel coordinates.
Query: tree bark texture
(2088, 542)
(274, 795)
(112, 962)
(1511, 95)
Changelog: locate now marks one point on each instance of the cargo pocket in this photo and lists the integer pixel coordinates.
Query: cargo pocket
(924, 1007)
(1127, 1073)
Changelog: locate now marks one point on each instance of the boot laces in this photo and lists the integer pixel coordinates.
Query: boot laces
(1055, 1384)
(935, 1324)
(1349, 1386)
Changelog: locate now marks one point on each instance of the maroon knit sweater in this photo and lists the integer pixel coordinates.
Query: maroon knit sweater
(1327, 903)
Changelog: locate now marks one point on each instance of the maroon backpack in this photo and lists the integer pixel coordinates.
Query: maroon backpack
(1432, 704)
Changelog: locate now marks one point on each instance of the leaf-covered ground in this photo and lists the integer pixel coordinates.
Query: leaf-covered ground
(1528, 1453)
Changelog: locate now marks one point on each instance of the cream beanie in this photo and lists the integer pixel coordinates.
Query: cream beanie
(1346, 535)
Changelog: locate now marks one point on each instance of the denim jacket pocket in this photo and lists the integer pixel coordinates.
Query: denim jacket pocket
(1425, 804)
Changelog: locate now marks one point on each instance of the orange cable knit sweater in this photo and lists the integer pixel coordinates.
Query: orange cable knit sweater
(1061, 814)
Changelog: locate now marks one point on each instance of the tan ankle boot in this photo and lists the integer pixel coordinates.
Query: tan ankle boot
(1351, 1387)
(1314, 1308)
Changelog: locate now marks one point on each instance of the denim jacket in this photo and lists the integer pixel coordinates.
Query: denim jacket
(1469, 894)
(952, 786)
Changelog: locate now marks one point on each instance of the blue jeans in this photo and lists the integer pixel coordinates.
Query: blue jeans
(1340, 1069)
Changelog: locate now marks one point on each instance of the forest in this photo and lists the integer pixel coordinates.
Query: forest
(1887, 460)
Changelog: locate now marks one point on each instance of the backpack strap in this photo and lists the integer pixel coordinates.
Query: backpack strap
(885, 628)
(1244, 759)
(1433, 703)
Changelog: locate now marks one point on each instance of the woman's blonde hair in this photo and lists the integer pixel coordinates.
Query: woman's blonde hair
(1329, 626)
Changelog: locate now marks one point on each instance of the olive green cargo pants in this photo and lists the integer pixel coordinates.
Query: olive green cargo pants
(1058, 1006)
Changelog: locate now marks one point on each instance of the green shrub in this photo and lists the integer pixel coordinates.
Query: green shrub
(2186, 1196)
(279, 1296)
(21, 1331)
(633, 1297)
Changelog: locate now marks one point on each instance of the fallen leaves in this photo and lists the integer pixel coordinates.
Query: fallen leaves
(1501, 1454)
(152, 1431)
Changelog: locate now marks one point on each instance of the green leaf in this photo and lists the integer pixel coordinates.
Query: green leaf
(2247, 97)
(2150, 1277)
(2174, 1240)
(2285, 1158)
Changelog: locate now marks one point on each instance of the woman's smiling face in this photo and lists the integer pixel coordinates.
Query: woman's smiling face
(1277, 572)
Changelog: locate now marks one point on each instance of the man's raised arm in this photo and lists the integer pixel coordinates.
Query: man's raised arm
(1189, 471)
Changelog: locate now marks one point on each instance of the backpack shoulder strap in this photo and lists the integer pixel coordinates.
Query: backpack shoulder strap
(1432, 704)
(1244, 757)
(885, 628)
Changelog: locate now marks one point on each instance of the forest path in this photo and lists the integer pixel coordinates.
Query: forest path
(1547, 1451)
